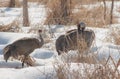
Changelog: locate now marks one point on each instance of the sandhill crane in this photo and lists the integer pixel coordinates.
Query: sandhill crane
(23, 48)
(73, 38)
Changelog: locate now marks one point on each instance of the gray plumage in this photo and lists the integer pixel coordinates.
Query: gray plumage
(73, 39)
(23, 47)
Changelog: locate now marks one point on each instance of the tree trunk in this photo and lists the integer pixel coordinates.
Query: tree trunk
(111, 12)
(12, 3)
(25, 13)
(65, 9)
(104, 10)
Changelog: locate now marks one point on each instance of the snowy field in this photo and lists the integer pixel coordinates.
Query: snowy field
(46, 56)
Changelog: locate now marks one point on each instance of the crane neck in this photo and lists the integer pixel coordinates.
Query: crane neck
(41, 39)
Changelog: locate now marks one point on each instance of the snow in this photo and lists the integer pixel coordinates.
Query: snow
(29, 73)
(46, 57)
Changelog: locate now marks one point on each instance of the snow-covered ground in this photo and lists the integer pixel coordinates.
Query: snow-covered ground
(46, 56)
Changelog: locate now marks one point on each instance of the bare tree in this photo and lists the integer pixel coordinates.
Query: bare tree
(111, 12)
(25, 13)
(12, 3)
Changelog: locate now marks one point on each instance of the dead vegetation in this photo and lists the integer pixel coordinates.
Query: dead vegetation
(87, 67)
(59, 12)
(114, 35)
(93, 16)
(12, 27)
(88, 70)
(67, 12)
(6, 3)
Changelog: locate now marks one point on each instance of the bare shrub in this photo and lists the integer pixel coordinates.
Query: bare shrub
(93, 17)
(4, 3)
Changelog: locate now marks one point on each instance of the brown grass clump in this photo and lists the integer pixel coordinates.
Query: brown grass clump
(82, 55)
(87, 66)
(39, 1)
(18, 3)
(4, 3)
(12, 27)
(114, 35)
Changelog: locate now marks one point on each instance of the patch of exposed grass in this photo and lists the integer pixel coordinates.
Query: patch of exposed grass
(12, 27)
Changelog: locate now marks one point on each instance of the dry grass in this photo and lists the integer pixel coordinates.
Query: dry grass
(82, 53)
(85, 1)
(108, 70)
(76, 1)
(40, 1)
(86, 66)
(114, 35)
(59, 13)
(6, 3)
(18, 3)
(93, 17)
(12, 27)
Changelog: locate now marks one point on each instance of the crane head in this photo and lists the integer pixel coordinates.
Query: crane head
(40, 31)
